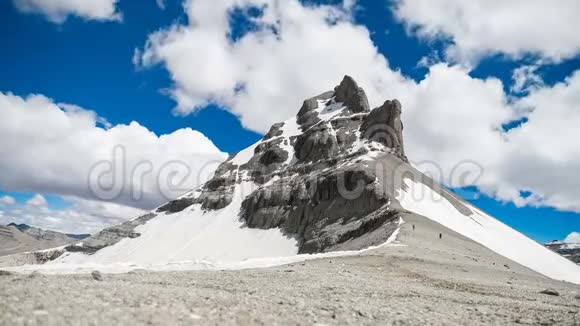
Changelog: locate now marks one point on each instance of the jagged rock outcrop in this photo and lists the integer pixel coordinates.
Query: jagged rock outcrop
(275, 131)
(321, 208)
(384, 125)
(353, 97)
(313, 175)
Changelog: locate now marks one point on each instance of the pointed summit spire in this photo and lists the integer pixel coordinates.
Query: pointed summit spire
(353, 96)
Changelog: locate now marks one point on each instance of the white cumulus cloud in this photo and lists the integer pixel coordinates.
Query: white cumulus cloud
(453, 123)
(57, 11)
(107, 174)
(65, 150)
(79, 216)
(478, 28)
(293, 51)
(37, 201)
(7, 200)
(573, 237)
(451, 118)
(542, 155)
(526, 78)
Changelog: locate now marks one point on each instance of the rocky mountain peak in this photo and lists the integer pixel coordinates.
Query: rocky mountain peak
(351, 95)
(41, 234)
(311, 176)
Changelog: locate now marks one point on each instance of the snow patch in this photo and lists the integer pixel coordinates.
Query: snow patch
(244, 156)
(70, 267)
(291, 128)
(328, 112)
(194, 234)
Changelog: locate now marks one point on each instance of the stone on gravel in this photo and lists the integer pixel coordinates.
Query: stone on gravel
(97, 275)
(550, 292)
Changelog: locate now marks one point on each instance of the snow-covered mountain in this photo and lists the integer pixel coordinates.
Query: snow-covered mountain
(334, 178)
(16, 238)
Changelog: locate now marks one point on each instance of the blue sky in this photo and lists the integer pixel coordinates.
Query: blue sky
(47, 59)
(90, 63)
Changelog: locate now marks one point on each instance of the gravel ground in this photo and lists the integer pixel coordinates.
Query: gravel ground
(429, 281)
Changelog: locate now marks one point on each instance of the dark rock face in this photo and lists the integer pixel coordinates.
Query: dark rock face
(384, 125)
(314, 177)
(274, 155)
(307, 116)
(351, 95)
(177, 205)
(275, 131)
(316, 144)
(318, 207)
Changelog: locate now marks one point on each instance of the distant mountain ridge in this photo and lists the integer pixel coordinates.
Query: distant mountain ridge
(26, 228)
(22, 227)
(17, 238)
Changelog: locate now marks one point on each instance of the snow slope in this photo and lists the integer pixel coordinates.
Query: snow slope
(488, 231)
(193, 235)
(74, 266)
